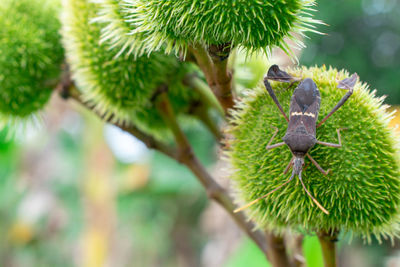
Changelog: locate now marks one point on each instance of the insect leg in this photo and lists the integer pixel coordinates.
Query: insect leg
(290, 85)
(288, 166)
(313, 199)
(317, 165)
(275, 145)
(264, 196)
(273, 96)
(347, 84)
(269, 146)
(332, 144)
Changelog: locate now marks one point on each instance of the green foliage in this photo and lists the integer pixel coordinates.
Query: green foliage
(119, 86)
(30, 57)
(246, 253)
(361, 193)
(312, 251)
(250, 24)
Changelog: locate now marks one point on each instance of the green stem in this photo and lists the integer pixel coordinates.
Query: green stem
(204, 115)
(205, 64)
(167, 112)
(205, 93)
(216, 72)
(328, 246)
(224, 82)
(223, 76)
(214, 191)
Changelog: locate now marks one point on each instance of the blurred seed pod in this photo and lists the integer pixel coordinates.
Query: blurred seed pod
(251, 24)
(361, 193)
(116, 29)
(30, 58)
(120, 86)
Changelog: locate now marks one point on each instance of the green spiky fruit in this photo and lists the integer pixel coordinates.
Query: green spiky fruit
(361, 193)
(252, 24)
(30, 57)
(116, 30)
(119, 85)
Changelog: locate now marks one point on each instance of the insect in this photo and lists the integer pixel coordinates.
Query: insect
(300, 135)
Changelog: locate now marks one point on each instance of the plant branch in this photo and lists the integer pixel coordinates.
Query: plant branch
(148, 140)
(297, 257)
(208, 100)
(328, 246)
(204, 91)
(204, 115)
(184, 155)
(214, 63)
(223, 77)
(205, 64)
(277, 253)
(213, 189)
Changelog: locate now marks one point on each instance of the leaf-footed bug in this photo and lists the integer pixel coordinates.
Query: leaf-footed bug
(300, 135)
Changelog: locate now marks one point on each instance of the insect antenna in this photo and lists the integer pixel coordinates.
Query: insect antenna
(313, 199)
(264, 196)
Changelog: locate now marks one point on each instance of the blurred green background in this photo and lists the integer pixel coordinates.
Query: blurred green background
(75, 192)
(363, 37)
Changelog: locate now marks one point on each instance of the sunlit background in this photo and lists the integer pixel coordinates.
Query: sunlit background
(76, 192)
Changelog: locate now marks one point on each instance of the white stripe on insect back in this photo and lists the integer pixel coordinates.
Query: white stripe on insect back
(301, 114)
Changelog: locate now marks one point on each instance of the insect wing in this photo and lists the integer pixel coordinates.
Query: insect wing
(276, 74)
(348, 83)
(304, 106)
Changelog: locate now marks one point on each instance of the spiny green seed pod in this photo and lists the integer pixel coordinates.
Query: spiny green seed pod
(252, 24)
(30, 56)
(119, 85)
(361, 192)
(116, 29)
